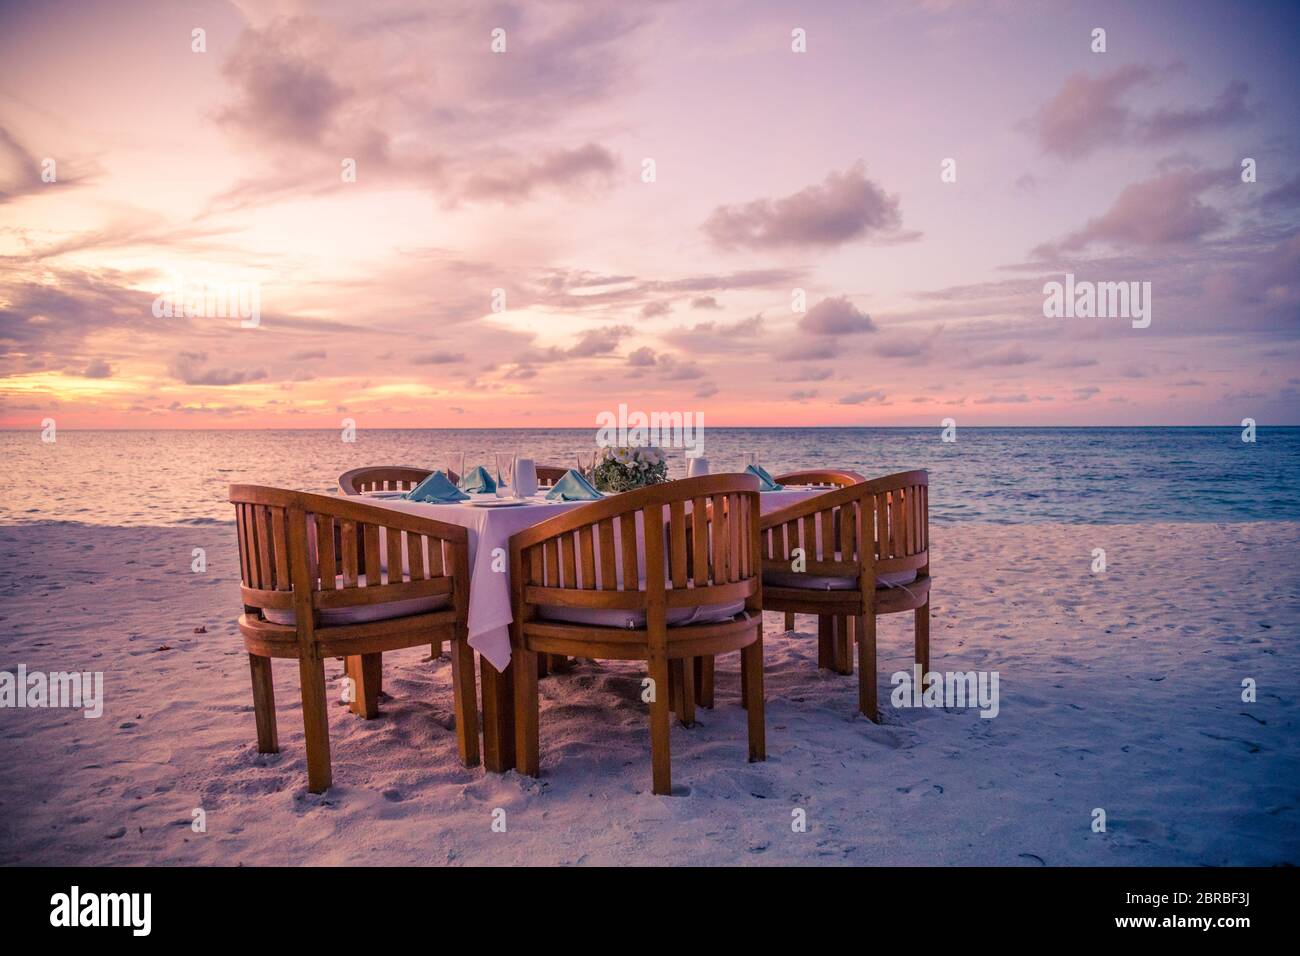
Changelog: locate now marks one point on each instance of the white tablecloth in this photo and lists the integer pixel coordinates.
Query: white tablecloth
(491, 528)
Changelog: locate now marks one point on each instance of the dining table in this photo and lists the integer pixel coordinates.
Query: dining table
(491, 521)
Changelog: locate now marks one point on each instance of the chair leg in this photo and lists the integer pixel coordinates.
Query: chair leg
(841, 648)
(315, 719)
(435, 650)
(543, 664)
(364, 670)
(498, 716)
(682, 676)
(825, 642)
(789, 621)
(866, 630)
(744, 682)
(527, 745)
(466, 699)
(660, 757)
(268, 738)
(923, 637)
(751, 667)
(704, 681)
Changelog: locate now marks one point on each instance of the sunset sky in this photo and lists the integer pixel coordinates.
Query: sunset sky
(523, 171)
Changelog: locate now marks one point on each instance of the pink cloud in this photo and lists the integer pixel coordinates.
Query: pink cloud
(846, 206)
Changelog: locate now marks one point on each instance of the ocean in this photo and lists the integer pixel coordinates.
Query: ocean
(999, 475)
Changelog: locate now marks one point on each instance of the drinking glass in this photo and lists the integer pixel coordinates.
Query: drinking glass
(505, 472)
(456, 466)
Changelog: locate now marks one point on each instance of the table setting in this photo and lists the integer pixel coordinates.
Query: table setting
(494, 503)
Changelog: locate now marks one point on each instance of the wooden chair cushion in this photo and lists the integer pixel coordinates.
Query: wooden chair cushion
(633, 619)
(796, 579)
(363, 613)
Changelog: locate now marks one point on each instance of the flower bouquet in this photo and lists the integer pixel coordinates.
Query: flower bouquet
(623, 469)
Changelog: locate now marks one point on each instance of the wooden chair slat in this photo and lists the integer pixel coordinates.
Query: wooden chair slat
(627, 543)
(700, 540)
(373, 558)
(735, 553)
(608, 561)
(393, 544)
(568, 561)
(348, 552)
(267, 545)
(882, 537)
(587, 556)
(535, 571)
(246, 560)
(327, 560)
(552, 563)
(677, 543)
(437, 556)
(718, 538)
(414, 553)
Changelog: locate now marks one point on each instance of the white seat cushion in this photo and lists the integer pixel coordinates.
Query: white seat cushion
(363, 613)
(633, 619)
(795, 579)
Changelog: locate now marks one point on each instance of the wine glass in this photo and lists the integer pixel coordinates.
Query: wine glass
(505, 472)
(456, 466)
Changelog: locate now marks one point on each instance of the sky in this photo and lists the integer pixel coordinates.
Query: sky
(495, 214)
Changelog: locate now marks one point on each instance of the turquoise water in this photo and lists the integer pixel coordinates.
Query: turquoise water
(1004, 475)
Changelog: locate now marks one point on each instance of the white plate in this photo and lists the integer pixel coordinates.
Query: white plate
(496, 502)
(384, 494)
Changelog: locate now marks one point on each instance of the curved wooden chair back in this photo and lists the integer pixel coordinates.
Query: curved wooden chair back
(383, 478)
(861, 530)
(837, 477)
(308, 553)
(643, 550)
(681, 544)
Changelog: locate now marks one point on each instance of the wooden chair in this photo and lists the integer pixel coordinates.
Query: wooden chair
(867, 552)
(548, 475)
(404, 478)
(632, 577)
(383, 478)
(834, 477)
(325, 576)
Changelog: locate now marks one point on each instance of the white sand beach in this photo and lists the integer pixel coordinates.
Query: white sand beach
(1119, 690)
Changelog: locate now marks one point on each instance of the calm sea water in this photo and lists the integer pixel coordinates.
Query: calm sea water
(1004, 475)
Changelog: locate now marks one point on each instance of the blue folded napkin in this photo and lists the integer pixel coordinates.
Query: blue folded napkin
(478, 481)
(573, 487)
(765, 481)
(438, 488)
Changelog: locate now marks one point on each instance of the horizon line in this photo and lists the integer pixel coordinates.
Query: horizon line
(485, 428)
